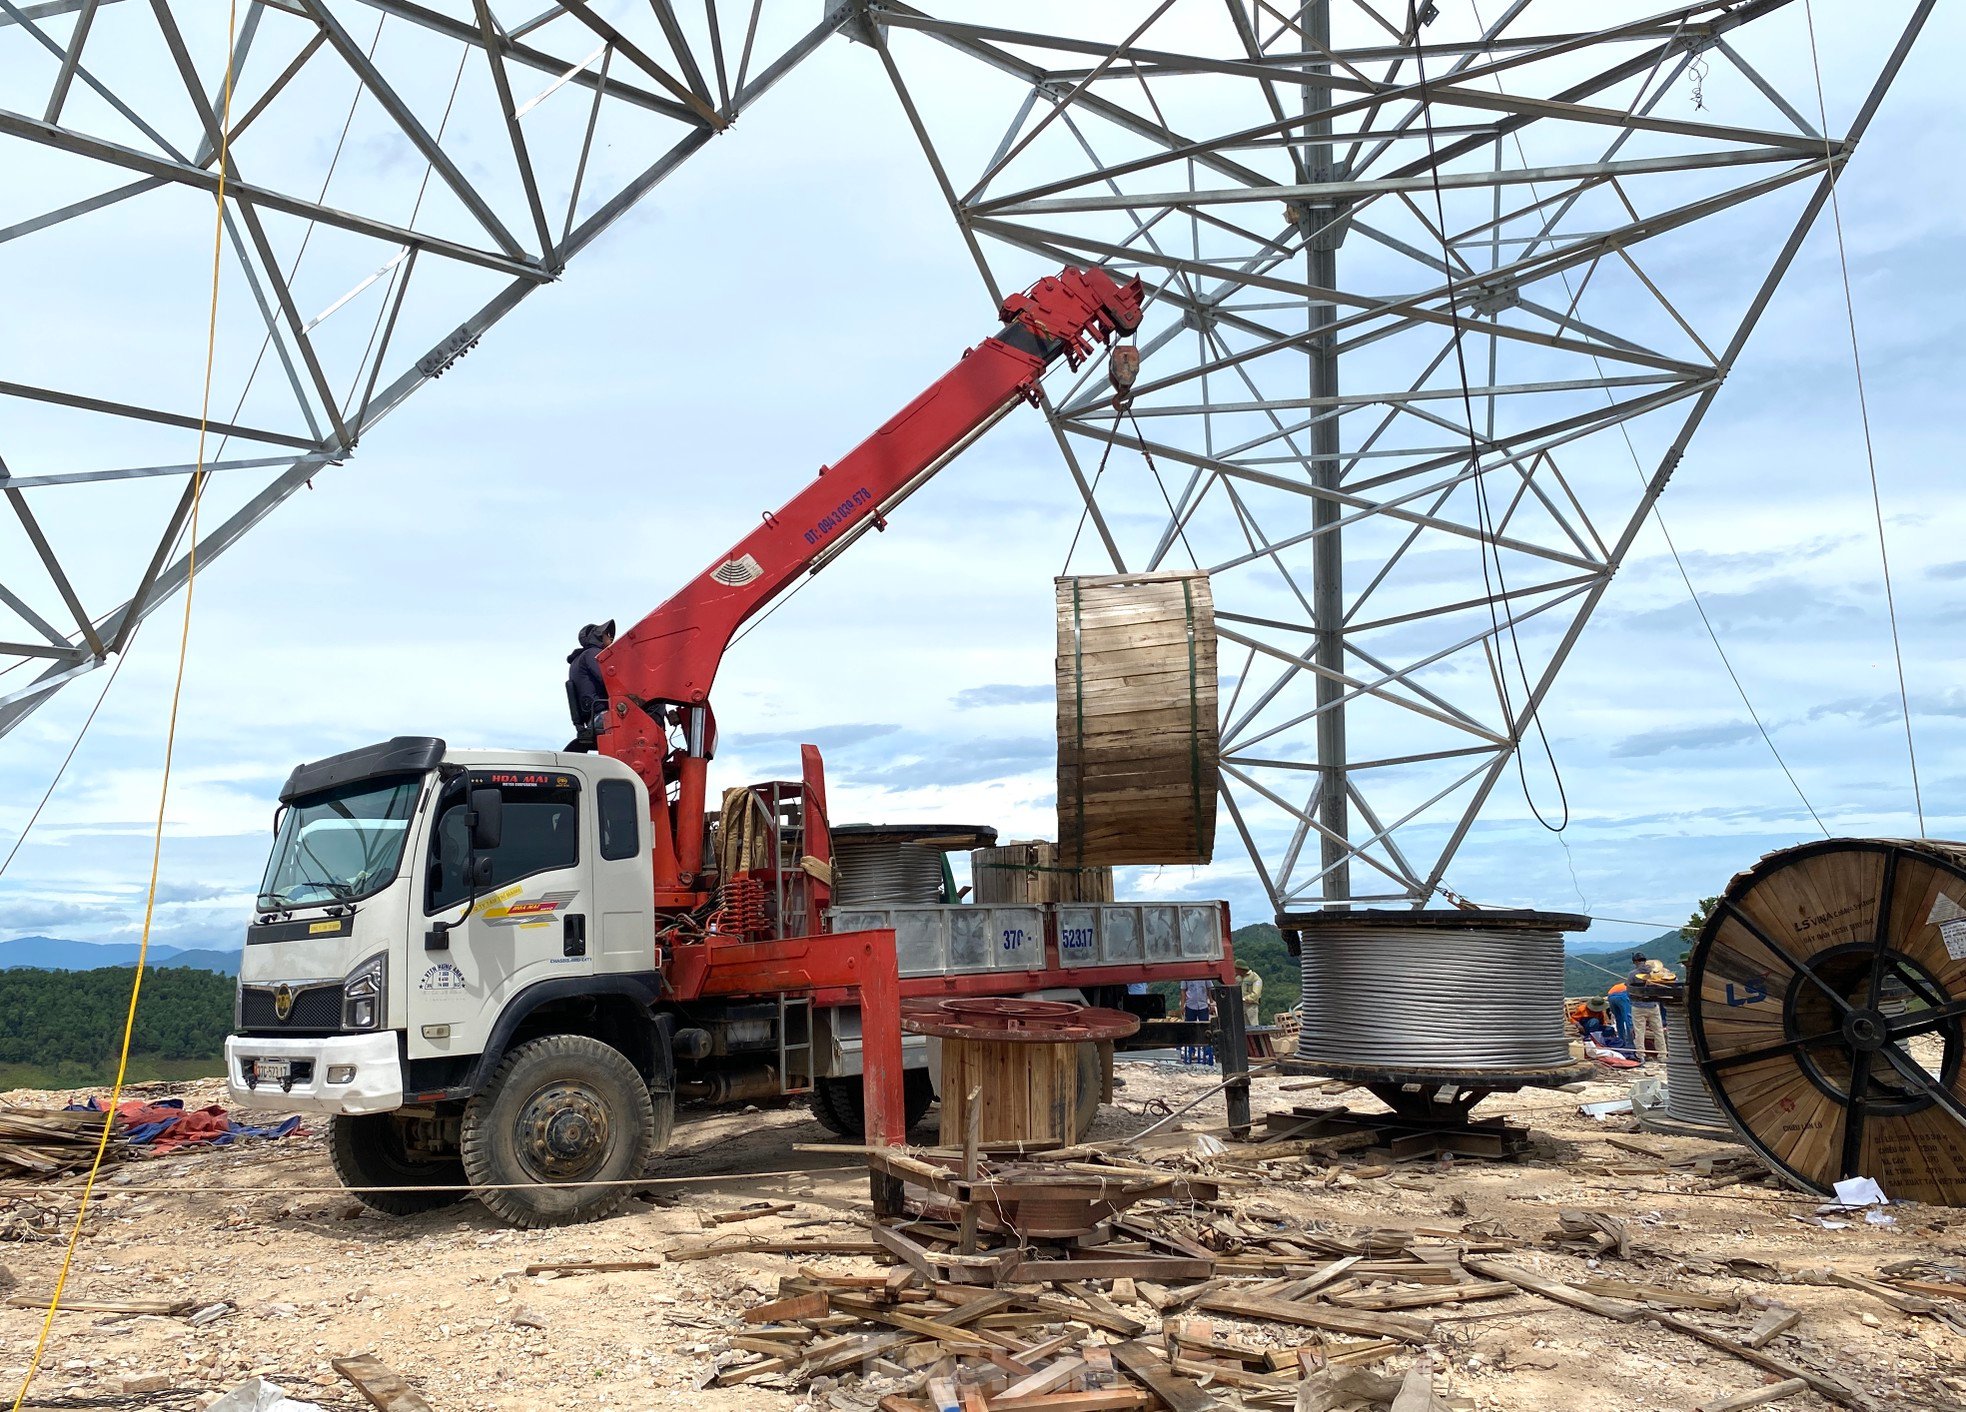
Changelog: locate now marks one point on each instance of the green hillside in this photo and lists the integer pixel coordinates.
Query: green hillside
(65, 1027)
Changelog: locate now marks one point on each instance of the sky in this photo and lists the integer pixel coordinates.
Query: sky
(779, 297)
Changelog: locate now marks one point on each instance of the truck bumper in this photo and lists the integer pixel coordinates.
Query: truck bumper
(330, 1074)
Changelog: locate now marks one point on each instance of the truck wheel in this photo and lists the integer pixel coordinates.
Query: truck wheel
(564, 1108)
(840, 1104)
(367, 1150)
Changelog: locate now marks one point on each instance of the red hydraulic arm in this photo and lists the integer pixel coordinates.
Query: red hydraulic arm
(670, 658)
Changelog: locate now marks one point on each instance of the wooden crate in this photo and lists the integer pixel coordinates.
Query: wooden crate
(1137, 729)
(1031, 871)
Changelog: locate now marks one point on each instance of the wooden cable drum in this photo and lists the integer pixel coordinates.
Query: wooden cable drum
(1030, 871)
(1797, 1002)
(1137, 729)
(1037, 1068)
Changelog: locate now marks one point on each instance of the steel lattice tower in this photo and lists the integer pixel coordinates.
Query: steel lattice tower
(1440, 295)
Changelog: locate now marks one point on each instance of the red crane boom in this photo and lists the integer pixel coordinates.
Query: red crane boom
(670, 658)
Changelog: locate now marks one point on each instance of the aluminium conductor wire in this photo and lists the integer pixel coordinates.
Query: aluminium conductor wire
(1419, 997)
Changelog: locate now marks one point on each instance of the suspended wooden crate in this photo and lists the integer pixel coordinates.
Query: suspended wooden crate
(1826, 999)
(1137, 730)
(1032, 871)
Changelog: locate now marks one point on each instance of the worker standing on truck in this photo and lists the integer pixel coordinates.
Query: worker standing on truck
(587, 693)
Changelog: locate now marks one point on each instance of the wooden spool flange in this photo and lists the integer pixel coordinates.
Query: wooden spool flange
(1036, 1066)
(1827, 1002)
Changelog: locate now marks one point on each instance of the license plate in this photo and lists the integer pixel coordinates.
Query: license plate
(272, 1070)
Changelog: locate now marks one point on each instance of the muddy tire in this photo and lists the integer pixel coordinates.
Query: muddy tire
(840, 1104)
(563, 1108)
(367, 1150)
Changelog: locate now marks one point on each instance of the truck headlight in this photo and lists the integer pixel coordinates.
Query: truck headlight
(362, 995)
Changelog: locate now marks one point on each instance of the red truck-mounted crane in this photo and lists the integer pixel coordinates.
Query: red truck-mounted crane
(499, 969)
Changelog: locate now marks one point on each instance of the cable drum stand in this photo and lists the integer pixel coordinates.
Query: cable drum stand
(1431, 1012)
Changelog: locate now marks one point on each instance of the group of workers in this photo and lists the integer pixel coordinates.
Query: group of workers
(1625, 1026)
(1198, 1003)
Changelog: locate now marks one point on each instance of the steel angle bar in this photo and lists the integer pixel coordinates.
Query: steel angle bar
(1447, 181)
(407, 122)
(529, 57)
(14, 124)
(1379, 689)
(26, 613)
(150, 414)
(1352, 850)
(690, 99)
(52, 564)
(522, 158)
(30, 482)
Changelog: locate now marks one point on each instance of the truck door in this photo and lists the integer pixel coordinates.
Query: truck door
(530, 921)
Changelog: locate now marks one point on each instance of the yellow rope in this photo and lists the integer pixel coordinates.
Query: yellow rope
(170, 735)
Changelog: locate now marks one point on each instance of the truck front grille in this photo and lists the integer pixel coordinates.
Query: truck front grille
(316, 1008)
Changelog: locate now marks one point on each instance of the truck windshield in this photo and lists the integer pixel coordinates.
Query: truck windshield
(341, 844)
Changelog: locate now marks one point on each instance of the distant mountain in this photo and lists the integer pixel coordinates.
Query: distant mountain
(204, 958)
(53, 953)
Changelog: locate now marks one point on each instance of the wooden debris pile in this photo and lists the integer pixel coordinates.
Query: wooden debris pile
(1081, 1286)
(1068, 1286)
(46, 1142)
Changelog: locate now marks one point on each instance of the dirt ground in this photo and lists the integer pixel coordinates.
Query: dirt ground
(442, 1298)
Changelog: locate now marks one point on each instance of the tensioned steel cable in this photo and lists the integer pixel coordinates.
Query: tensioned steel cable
(1484, 514)
(1658, 515)
(1863, 411)
(1433, 997)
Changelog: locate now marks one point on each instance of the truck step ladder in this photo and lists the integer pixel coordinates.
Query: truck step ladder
(795, 1044)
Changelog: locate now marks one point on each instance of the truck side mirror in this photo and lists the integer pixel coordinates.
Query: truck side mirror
(487, 821)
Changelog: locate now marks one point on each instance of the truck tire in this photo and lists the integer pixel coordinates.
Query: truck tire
(562, 1108)
(840, 1104)
(367, 1150)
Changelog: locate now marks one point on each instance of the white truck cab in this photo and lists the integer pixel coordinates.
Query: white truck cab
(420, 906)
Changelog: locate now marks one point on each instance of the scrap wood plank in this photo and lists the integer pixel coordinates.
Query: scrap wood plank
(855, 1350)
(378, 1382)
(779, 1311)
(1658, 1294)
(1359, 1322)
(1144, 1267)
(1084, 1314)
(1201, 1334)
(594, 1267)
(752, 1212)
(1833, 1388)
(1756, 1397)
(1111, 1399)
(1181, 1394)
(1043, 1380)
(1231, 1376)
(1116, 1318)
(756, 1246)
(1623, 1311)
(105, 1306)
(781, 1362)
(1422, 1298)
(1775, 1321)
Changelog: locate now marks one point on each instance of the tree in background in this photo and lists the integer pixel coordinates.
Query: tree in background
(1695, 924)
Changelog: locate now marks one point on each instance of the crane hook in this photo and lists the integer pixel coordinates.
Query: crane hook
(1122, 367)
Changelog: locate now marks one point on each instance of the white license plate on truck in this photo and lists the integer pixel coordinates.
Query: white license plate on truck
(272, 1070)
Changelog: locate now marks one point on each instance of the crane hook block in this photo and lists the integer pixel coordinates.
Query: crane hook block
(1122, 367)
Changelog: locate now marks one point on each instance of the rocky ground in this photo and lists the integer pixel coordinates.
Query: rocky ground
(298, 1274)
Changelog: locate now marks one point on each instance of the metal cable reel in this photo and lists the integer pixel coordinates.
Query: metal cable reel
(1431, 1012)
(1827, 1002)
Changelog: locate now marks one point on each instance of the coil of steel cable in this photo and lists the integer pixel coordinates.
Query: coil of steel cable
(1453, 991)
(1688, 1099)
(874, 870)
